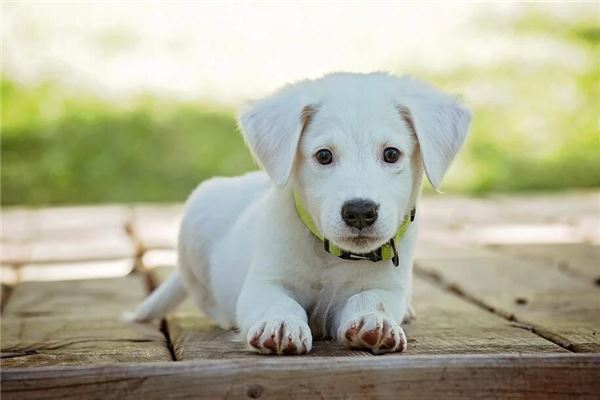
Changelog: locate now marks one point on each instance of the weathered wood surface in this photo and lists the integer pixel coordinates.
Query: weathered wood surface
(446, 324)
(77, 323)
(156, 227)
(22, 224)
(556, 306)
(64, 234)
(555, 218)
(579, 260)
(9, 275)
(193, 335)
(75, 270)
(109, 244)
(531, 289)
(410, 377)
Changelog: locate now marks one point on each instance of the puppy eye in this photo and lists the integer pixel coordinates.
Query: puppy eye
(324, 157)
(391, 155)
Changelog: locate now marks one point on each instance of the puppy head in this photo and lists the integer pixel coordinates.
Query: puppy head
(354, 146)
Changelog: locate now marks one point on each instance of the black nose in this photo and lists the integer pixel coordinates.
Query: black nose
(359, 213)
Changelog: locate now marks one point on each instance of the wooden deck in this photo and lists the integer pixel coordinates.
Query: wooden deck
(507, 295)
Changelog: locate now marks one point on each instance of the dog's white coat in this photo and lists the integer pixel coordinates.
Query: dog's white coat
(248, 260)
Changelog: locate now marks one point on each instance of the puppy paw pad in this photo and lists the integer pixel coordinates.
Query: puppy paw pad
(374, 333)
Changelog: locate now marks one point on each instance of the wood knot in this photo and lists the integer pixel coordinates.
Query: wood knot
(254, 391)
(521, 301)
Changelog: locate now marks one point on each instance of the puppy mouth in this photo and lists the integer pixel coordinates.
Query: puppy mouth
(360, 243)
(359, 238)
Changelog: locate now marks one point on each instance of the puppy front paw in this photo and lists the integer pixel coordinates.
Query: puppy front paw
(373, 332)
(280, 336)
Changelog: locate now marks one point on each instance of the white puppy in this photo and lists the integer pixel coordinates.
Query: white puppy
(322, 244)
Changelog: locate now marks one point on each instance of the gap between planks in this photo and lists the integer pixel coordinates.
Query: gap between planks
(6, 291)
(576, 260)
(457, 272)
(138, 265)
(445, 324)
(78, 322)
(151, 285)
(459, 292)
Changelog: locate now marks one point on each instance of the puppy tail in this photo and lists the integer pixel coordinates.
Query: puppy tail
(162, 300)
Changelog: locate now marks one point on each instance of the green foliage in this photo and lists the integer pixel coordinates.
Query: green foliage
(536, 124)
(84, 150)
(536, 127)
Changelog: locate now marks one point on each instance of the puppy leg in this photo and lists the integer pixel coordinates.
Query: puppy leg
(274, 322)
(369, 321)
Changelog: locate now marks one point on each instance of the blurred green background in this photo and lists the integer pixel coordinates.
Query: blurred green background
(536, 127)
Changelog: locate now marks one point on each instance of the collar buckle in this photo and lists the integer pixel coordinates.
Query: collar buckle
(395, 258)
(373, 256)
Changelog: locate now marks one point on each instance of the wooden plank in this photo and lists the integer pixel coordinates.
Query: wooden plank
(9, 275)
(577, 259)
(100, 297)
(559, 218)
(65, 234)
(446, 324)
(575, 212)
(561, 206)
(511, 376)
(561, 308)
(195, 336)
(156, 227)
(19, 224)
(159, 258)
(76, 323)
(14, 253)
(75, 270)
(106, 244)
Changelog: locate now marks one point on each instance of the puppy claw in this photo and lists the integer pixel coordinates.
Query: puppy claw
(374, 333)
(280, 336)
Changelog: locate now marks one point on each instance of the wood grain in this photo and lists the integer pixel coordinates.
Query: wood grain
(561, 308)
(66, 339)
(98, 297)
(75, 270)
(542, 218)
(579, 260)
(23, 224)
(446, 324)
(194, 336)
(102, 244)
(408, 377)
(77, 323)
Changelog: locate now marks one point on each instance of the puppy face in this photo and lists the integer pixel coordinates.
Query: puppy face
(355, 168)
(356, 145)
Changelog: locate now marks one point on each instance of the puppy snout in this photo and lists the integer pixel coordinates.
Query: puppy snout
(359, 213)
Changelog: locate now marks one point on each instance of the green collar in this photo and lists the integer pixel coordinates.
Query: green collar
(386, 252)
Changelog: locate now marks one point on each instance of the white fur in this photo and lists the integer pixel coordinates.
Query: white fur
(249, 261)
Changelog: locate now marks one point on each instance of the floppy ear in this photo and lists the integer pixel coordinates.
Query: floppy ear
(440, 123)
(272, 128)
